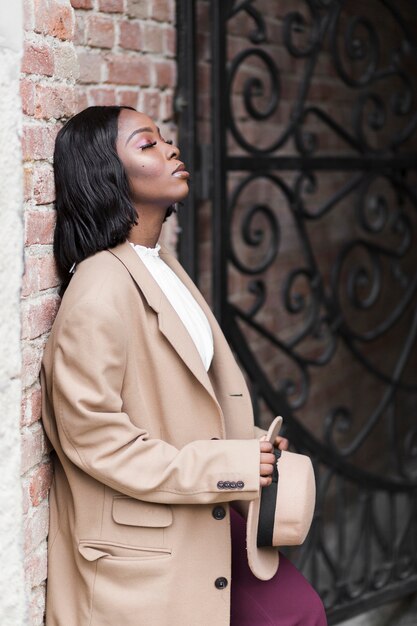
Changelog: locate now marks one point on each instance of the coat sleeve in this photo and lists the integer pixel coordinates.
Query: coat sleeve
(89, 362)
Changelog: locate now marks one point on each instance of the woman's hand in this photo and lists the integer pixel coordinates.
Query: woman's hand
(281, 443)
(268, 458)
(267, 461)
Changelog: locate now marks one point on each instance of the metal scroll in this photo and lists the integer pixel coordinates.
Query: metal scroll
(314, 196)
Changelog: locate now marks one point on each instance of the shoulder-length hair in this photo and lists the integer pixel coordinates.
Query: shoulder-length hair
(93, 206)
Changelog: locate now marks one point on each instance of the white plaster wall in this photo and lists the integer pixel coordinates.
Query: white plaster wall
(12, 600)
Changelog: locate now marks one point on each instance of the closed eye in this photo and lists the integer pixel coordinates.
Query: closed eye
(148, 145)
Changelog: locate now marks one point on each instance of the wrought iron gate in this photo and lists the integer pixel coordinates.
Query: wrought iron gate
(315, 258)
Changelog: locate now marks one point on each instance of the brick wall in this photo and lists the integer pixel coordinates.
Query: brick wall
(49, 71)
(75, 55)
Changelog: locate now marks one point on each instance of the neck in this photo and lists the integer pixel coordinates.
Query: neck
(148, 242)
(148, 229)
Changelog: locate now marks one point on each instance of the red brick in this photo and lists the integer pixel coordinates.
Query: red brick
(35, 527)
(81, 99)
(111, 6)
(321, 90)
(39, 227)
(167, 106)
(149, 102)
(151, 37)
(126, 70)
(100, 32)
(169, 41)
(165, 73)
(40, 273)
(37, 317)
(130, 35)
(31, 407)
(36, 602)
(33, 446)
(137, 8)
(204, 47)
(54, 101)
(32, 352)
(37, 59)
(203, 13)
(53, 17)
(27, 183)
(162, 10)
(38, 141)
(26, 504)
(101, 96)
(35, 574)
(79, 29)
(40, 483)
(65, 62)
(43, 184)
(82, 4)
(128, 97)
(91, 67)
(27, 94)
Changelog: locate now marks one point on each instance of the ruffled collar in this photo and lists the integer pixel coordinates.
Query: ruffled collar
(144, 251)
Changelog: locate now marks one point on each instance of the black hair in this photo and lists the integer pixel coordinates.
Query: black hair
(93, 206)
(94, 210)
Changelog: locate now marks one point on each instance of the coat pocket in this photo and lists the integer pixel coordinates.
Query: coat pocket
(131, 512)
(93, 550)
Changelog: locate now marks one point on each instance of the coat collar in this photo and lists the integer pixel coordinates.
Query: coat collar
(169, 322)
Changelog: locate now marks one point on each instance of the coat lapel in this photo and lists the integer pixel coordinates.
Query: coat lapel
(169, 322)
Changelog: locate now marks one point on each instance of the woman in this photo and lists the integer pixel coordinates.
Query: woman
(148, 414)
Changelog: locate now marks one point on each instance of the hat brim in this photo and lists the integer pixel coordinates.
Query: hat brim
(263, 561)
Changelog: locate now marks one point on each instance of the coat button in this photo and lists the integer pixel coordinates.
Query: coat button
(220, 484)
(218, 512)
(233, 485)
(226, 484)
(221, 583)
(240, 484)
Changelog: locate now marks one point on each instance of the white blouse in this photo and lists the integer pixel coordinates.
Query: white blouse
(184, 303)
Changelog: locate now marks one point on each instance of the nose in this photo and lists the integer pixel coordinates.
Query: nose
(173, 151)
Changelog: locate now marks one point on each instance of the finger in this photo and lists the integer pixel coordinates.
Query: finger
(265, 469)
(266, 446)
(282, 443)
(265, 481)
(267, 457)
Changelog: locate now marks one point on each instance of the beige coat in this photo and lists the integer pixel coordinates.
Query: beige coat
(134, 419)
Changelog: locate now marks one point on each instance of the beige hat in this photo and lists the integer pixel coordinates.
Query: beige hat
(283, 514)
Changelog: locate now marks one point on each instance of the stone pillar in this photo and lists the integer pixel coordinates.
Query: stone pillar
(12, 598)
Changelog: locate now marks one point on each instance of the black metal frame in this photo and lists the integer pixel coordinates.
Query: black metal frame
(185, 110)
(384, 553)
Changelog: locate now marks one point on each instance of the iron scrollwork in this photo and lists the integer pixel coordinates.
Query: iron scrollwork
(346, 313)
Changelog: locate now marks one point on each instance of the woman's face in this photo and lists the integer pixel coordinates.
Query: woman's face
(156, 175)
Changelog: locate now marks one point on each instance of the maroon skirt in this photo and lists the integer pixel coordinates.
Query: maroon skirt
(287, 599)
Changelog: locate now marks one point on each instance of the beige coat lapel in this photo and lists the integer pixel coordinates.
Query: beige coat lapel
(169, 322)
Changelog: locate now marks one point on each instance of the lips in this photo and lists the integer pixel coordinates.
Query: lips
(180, 172)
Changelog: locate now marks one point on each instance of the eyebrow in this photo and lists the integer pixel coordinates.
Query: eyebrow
(140, 130)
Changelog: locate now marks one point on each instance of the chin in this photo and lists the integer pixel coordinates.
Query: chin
(182, 195)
